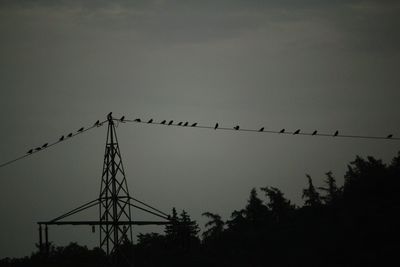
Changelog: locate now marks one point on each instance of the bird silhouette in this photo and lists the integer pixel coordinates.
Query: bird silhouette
(122, 119)
(45, 145)
(216, 126)
(109, 115)
(150, 121)
(297, 131)
(30, 151)
(282, 131)
(180, 123)
(236, 127)
(61, 138)
(315, 132)
(69, 135)
(261, 130)
(170, 122)
(163, 122)
(336, 133)
(138, 120)
(38, 148)
(97, 123)
(186, 124)
(81, 129)
(194, 124)
(389, 136)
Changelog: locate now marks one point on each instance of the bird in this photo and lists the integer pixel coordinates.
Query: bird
(315, 132)
(389, 136)
(216, 126)
(61, 138)
(137, 120)
(194, 124)
(163, 122)
(109, 115)
(122, 119)
(38, 148)
(186, 124)
(261, 130)
(97, 123)
(336, 133)
(69, 135)
(236, 127)
(282, 131)
(297, 131)
(150, 121)
(45, 145)
(170, 122)
(81, 129)
(30, 151)
(180, 123)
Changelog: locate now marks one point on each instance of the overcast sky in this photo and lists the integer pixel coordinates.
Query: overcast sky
(326, 65)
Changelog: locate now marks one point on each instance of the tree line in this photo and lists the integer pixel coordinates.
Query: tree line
(355, 224)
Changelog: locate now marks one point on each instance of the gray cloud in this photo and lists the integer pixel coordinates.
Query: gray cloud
(372, 23)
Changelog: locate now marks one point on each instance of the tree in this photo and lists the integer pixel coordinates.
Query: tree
(365, 181)
(188, 231)
(310, 194)
(215, 226)
(188, 228)
(150, 240)
(279, 206)
(172, 230)
(332, 191)
(255, 211)
(395, 164)
(182, 231)
(237, 220)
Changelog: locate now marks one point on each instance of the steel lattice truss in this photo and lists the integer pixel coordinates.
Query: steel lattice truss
(114, 196)
(114, 203)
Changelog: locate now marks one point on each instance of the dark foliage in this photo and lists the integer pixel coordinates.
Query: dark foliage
(353, 225)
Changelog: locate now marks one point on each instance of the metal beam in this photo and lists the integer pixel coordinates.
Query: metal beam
(105, 223)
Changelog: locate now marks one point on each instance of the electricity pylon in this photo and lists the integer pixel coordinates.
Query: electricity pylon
(114, 196)
(114, 203)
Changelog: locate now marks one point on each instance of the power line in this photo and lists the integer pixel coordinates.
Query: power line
(46, 146)
(260, 130)
(216, 127)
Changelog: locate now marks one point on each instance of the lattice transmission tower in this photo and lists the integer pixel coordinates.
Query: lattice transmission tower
(114, 203)
(114, 196)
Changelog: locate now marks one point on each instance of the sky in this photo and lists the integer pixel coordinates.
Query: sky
(325, 65)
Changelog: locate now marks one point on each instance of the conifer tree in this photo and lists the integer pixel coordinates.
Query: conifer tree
(188, 231)
(310, 195)
(215, 226)
(332, 191)
(279, 206)
(255, 210)
(172, 230)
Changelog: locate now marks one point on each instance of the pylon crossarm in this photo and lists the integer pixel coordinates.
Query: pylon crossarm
(147, 205)
(77, 210)
(105, 223)
(149, 211)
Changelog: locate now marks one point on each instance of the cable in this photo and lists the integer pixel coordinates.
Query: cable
(262, 130)
(48, 145)
(195, 125)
